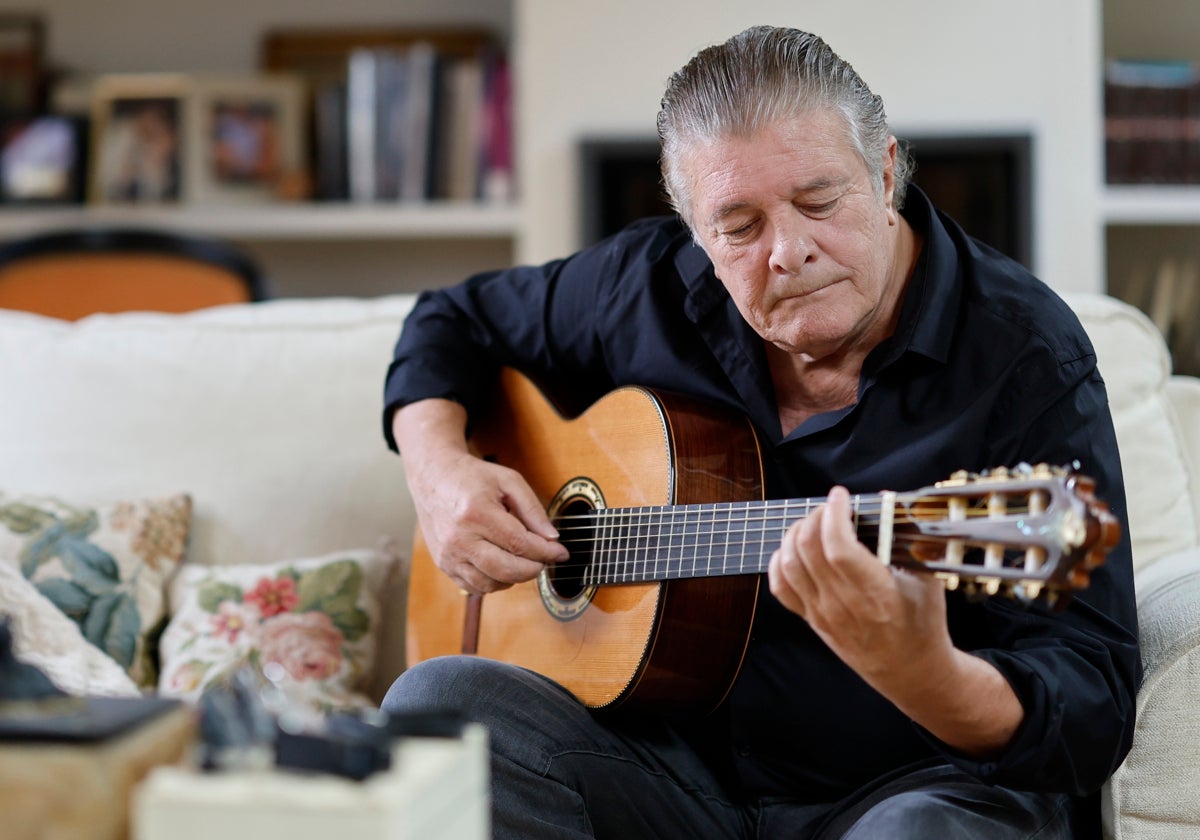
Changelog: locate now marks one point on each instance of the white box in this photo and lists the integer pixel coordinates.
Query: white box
(436, 788)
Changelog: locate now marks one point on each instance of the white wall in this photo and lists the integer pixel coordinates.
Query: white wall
(941, 66)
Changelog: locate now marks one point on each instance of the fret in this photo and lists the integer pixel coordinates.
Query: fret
(728, 536)
(600, 541)
(637, 564)
(762, 539)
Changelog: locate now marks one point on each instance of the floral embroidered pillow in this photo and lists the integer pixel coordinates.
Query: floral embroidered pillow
(104, 566)
(309, 627)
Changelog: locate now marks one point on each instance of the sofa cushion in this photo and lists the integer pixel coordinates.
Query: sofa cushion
(1152, 796)
(1135, 364)
(105, 566)
(310, 627)
(268, 414)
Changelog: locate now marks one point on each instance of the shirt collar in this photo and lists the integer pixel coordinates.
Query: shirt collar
(933, 298)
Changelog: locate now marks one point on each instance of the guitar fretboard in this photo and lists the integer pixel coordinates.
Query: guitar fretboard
(655, 543)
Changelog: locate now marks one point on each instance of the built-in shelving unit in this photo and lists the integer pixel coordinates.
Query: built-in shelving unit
(1151, 204)
(1152, 231)
(434, 220)
(305, 248)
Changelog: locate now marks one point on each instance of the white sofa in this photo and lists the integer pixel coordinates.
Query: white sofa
(268, 415)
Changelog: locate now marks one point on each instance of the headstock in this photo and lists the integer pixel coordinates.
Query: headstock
(1033, 532)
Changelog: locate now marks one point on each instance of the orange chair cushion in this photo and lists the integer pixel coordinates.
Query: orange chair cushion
(70, 286)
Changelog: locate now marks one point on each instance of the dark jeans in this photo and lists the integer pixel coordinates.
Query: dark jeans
(558, 771)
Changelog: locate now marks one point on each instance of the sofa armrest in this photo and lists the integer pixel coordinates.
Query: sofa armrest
(1153, 793)
(1183, 394)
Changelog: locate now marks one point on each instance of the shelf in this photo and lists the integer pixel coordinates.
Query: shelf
(330, 222)
(1151, 204)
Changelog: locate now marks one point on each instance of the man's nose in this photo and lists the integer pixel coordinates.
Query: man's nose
(791, 248)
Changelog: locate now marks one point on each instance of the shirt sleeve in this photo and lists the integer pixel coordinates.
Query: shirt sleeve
(539, 319)
(1076, 670)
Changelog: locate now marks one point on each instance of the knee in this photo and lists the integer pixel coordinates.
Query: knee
(447, 683)
(913, 815)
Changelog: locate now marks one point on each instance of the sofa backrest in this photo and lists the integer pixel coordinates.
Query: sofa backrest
(1159, 482)
(268, 414)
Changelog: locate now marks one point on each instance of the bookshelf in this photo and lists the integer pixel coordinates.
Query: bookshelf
(306, 248)
(1151, 204)
(323, 221)
(1152, 231)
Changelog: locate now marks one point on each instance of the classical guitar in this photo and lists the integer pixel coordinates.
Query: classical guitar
(658, 498)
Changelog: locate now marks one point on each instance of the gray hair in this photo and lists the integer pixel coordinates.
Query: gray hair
(757, 78)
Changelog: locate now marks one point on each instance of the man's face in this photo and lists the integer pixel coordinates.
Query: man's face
(797, 233)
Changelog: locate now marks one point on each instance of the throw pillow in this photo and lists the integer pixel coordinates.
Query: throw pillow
(105, 566)
(306, 627)
(51, 642)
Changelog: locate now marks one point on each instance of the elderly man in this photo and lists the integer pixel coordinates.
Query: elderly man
(873, 345)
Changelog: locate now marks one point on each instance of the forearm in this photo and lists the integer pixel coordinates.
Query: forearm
(429, 427)
(963, 701)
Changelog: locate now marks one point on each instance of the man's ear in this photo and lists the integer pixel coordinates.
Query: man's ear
(889, 180)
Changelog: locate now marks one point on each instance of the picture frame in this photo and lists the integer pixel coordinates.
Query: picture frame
(245, 140)
(140, 137)
(22, 45)
(43, 159)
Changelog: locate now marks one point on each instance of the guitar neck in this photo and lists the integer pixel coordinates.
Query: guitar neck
(657, 543)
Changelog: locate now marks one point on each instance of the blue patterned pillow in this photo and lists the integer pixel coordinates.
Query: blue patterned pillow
(105, 566)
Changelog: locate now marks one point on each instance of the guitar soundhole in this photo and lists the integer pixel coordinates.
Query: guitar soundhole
(563, 587)
(579, 535)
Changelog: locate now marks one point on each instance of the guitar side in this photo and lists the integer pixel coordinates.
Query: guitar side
(673, 645)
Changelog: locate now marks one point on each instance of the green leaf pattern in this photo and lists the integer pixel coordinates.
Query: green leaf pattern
(88, 586)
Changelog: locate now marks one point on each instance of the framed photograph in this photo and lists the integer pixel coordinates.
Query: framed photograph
(42, 159)
(245, 141)
(139, 139)
(21, 53)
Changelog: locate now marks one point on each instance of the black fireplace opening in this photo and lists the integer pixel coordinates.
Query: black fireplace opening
(984, 182)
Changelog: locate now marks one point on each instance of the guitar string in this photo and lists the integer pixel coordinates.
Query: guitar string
(638, 570)
(628, 525)
(673, 513)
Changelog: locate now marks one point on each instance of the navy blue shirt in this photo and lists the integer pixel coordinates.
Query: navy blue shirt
(987, 367)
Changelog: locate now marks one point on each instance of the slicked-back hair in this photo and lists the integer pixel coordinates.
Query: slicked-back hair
(758, 78)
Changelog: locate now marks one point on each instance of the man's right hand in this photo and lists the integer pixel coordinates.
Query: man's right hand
(483, 524)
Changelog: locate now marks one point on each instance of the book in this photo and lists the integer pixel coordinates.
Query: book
(361, 129)
(460, 130)
(330, 127)
(1152, 121)
(497, 158)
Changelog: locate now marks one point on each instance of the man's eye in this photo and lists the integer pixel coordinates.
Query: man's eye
(819, 210)
(740, 232)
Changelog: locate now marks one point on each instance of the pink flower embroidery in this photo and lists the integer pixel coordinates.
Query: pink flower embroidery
(273, 597)
(231, 620)
(188, 676)
(307, 645)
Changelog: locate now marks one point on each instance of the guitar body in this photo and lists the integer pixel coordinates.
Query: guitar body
(675, 644)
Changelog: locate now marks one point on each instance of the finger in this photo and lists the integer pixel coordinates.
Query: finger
(838, 535)
(539, 538)
(474, 582)
(504, 566)
(839, 538)
(787, 575)
(789, 583)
